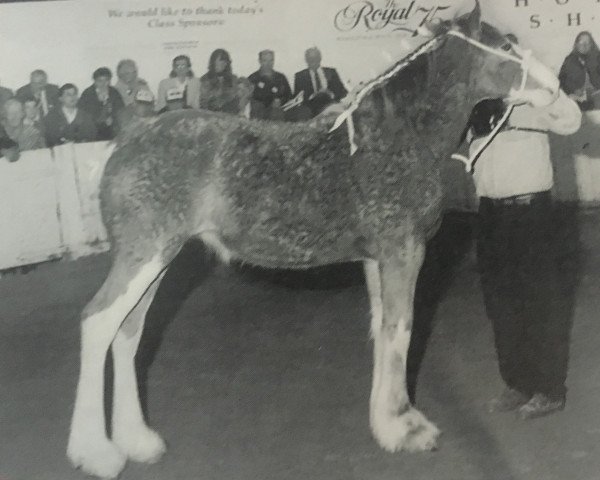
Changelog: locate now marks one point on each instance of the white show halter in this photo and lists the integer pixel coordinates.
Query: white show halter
(524, 62)
(346, 115)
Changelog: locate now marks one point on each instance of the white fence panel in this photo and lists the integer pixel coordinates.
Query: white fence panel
(30, 229)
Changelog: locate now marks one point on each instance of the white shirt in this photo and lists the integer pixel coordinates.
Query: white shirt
(69, 114)
(44, 102)
(322, 79)
(518, 162)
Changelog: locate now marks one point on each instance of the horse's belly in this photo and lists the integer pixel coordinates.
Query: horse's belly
(273, 244)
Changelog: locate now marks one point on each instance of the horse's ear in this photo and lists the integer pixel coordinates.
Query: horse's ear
(432, 28)
(470, 23)
(474, 20)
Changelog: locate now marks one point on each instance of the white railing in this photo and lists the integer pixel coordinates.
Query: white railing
(49, 204)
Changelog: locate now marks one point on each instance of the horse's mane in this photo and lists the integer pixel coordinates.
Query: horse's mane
(352, 101)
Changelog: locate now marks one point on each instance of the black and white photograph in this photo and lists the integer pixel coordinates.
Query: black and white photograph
(300, 240)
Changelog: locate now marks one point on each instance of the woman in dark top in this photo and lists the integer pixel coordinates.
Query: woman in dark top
(219, 87)
(104, 103)
(580, 72)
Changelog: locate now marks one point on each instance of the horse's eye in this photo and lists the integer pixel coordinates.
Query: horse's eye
(506, 47)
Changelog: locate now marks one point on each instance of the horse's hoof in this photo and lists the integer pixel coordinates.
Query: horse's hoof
(410, 432)
(144, 446)
(100, 458)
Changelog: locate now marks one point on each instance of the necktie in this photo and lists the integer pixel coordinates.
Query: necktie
(317, 82)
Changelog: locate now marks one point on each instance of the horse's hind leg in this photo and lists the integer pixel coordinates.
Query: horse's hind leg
(129, 430)
(395, 423)
(89, 447)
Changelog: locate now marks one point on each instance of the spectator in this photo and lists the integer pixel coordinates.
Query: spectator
(8, 147)
(517, 252)
(321, 85)
(32, 112)
(104, 103)
(129, 83)
(181, 89)
(45, 94)
(271, 89)
(220, 89)
(580, 72)
(27, 137)
(5, 94)
(68, 123)
(142, 107)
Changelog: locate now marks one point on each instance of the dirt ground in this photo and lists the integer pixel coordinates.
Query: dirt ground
(250, 374)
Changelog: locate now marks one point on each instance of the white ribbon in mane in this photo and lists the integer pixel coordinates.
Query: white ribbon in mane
(353, 99)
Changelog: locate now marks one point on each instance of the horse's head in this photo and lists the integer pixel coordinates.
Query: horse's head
(498, 68)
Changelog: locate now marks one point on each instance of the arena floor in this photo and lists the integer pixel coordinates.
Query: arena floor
(266, 375)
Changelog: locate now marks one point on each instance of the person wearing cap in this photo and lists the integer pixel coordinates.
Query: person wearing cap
(142, 107)
(104, 103)
(181, 89)
(517, 251)
(66, 122)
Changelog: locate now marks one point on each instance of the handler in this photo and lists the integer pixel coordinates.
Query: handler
(516, 252)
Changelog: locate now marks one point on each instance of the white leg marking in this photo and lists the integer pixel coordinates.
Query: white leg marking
(373, 278)
(89, 448)
(396, 425)
(130, 432)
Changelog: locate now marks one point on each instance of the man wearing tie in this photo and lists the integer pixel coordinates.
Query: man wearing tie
(321, 85)
(45, 94)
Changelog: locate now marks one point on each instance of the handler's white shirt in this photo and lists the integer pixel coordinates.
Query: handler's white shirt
(518, 162)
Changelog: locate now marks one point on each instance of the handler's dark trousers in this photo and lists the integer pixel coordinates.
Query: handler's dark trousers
(518, 265)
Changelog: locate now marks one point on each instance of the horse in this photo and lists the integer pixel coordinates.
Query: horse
(292, 196)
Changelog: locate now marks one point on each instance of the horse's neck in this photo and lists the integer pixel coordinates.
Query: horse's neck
(419, 109)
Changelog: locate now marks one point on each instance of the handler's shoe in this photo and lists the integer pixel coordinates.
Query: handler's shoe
(509, 400)
(540, 405)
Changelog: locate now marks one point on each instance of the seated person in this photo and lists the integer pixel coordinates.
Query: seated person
(32, 113)
(580, 72)
(5, 94)
(219, 87)
(104, 104)
(321, 85)
(271, 89)
(8, 147)
(181, 89)
(68, 123)
(45, 94)
(27, 137)
(129, 83)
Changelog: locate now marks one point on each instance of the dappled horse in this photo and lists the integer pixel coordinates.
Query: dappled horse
(293, 196)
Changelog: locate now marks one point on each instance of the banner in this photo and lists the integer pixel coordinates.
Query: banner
(70, 39)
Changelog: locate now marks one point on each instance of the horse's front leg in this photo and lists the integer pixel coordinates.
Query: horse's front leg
(395, 423)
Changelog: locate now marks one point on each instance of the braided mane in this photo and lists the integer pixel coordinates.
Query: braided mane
(352, 101)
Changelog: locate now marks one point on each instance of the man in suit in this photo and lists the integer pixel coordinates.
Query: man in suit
(68, 123)
(321, 85)
(45, 94)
